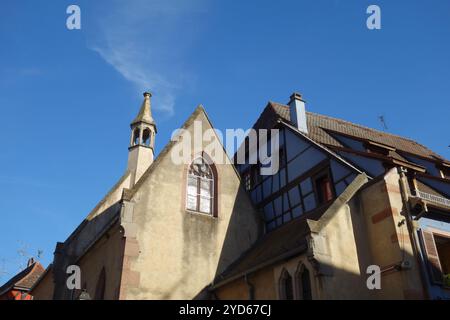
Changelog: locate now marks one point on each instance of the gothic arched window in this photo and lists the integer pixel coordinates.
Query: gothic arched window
(303, 284)
(200, 187)
(286, 287)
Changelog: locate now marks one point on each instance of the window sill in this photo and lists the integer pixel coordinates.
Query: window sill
(198, 213)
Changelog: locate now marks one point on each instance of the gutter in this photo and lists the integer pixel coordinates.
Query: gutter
(415, 241)
(251, 288)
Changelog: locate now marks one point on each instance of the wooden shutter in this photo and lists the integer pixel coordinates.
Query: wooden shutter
(432, 256)
(328, 191)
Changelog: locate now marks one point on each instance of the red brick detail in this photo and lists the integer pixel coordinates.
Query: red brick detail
(393, 188)
(386, 213)
(130, 278)
(131, 247)
(395, 238)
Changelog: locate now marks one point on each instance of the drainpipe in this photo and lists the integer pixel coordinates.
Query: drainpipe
(415, 241)
(251, 288)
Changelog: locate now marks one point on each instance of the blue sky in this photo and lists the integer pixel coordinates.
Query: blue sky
(67, 97)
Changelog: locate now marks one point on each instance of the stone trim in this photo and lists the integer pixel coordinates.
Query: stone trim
(129, 278)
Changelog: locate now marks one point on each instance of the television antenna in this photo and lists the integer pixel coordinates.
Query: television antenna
(383, 122)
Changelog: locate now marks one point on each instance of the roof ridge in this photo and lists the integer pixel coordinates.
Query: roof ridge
(366, 127)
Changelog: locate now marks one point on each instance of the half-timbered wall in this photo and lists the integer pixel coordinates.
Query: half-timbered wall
(292, 191)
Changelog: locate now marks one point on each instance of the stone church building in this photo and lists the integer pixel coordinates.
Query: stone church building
(345, 199)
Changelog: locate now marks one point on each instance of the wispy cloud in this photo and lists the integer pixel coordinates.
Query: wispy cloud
(145, 40)
(24, 182)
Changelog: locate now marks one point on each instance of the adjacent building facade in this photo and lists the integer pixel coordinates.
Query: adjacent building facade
(346, 198)
(19, 287)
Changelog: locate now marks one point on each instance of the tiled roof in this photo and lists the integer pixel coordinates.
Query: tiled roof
(25, 278)
(319, 127)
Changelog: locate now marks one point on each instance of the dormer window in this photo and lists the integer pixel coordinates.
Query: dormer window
(379, 148)
(445, 170)
(446, 173)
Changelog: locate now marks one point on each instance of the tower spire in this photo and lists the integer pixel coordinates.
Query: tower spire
(142, 142)
(145, 112)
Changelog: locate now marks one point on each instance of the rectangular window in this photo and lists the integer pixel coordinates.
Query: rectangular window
(436, 247)
(324, 187)
(446, 173)
(443, 249)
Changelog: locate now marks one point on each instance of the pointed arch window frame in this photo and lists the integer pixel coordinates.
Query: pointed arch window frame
(300, 285)
(213, 180)
(285, 283)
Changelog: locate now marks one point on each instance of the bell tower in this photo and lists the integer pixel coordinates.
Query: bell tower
(142, 142)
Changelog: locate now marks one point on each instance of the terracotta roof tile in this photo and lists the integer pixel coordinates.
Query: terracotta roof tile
(25, 278)
(319, 127)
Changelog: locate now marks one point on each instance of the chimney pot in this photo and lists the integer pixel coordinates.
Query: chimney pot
(295, 96)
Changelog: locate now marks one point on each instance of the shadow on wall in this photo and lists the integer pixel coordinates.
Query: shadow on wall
(327, 283)
(69, 252)
(335, 279)
(244, 229)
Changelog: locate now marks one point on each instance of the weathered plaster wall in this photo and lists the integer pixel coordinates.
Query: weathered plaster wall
(177, 253)
(264, 287)
(389, 240)
(106, 253)
(364, 231)
(341, 275)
